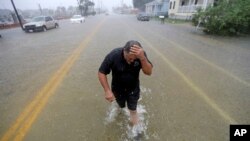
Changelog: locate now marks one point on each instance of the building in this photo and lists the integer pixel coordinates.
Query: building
(184, 9)
(157, 7)
(6, 16)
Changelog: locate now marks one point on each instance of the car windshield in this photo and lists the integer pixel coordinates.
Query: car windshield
(38, 19)
(76, 17)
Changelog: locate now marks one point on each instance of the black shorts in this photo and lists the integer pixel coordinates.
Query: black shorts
(131, 98)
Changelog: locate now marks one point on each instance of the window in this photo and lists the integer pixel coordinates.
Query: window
(159, 7)
(46, 19)
(170, 5)
(182, 3)
(50, 19)
(174, 5)
(195, 2)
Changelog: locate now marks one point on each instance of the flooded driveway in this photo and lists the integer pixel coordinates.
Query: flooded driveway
(50, 91)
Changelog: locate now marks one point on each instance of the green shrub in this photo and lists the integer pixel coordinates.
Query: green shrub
(229, 17)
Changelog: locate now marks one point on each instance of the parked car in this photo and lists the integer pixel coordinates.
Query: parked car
(41, 23)
(77, 19)
(143, 17)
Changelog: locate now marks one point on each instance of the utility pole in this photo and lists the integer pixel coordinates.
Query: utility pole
(40, 8)
(21, 24)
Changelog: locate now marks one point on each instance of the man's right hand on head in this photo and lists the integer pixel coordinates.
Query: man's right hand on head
(109, 96)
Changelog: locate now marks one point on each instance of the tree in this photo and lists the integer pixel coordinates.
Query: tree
(84, 6)
(228, 17)
(72, 10)
(61, 12)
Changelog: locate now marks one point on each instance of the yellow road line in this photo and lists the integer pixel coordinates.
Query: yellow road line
(204, 60)
(212, 65)
(198, 91)
(189, 82)
(25, 120)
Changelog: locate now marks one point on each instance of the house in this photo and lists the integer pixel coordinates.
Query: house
(157, 7)
(184, 9)
(6, 16)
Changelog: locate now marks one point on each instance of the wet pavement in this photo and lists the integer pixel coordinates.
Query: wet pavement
(49, 88)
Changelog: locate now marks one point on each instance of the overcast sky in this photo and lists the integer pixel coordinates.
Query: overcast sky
(33, 4)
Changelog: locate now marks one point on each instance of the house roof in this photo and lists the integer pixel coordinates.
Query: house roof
(155, 2)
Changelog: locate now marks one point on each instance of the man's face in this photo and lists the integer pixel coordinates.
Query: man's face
(130, 58)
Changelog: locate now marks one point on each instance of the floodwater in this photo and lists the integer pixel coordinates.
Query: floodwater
(50, 91)
(119, 118)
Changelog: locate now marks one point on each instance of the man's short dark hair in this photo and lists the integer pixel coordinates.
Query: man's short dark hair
(129, 44)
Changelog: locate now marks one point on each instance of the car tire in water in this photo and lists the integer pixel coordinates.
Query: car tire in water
(44, 28)
(56, 25)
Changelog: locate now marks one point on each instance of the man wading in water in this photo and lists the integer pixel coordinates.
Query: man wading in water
(125, 64)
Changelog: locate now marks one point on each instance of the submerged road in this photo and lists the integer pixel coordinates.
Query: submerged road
(49, 88)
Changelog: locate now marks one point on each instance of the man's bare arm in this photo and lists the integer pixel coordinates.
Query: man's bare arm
(104, 82)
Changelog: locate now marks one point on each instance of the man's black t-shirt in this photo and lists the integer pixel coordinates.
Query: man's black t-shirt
(124, 76)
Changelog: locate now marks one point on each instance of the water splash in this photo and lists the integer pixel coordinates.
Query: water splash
(138, 132)
(134, 133)
(112, 113)
(120, 119)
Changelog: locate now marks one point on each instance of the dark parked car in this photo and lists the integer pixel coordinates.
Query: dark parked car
(143, 17)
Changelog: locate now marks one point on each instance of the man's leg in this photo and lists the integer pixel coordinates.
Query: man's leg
(134, 119)
(116, 107)
(132, 106)
(120, 99)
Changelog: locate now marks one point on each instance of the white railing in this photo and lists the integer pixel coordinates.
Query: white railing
(189, 8)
